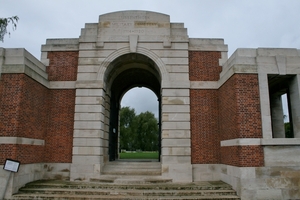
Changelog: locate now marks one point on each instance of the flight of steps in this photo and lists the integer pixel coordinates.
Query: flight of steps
(124, 181)
(131, 173)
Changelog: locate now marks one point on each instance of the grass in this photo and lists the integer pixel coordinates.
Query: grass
(139, 155)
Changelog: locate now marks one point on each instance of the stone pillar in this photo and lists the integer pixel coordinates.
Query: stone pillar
(295, 104)
(176, 142)
(88, 142)
(277, 116)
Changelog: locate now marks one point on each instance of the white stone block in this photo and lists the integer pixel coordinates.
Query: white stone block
(176, 100)
(175, 159)
(175, 92)
(178, 173)
(176, 142)
(282, 155)
(89, 100)
(176, 134)
(175, 108)
(62, 84)
(88, 69)
(89, 117)
(176, 125)
(176, 117)
(89, 142)
(86, 76)
(79, 159)
(178, 84)
(178, 68)
(90, 61)
(175, 61)
(269, 194)
(178, 76)
(89, 108)
(277, 51)
(173, 151)
(87, 151)
(88, 125)
(103, 53)
(90, 92)
(171, 53)
(88, 133)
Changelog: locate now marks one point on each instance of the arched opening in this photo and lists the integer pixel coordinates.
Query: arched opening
(124, 73)
(138, 125)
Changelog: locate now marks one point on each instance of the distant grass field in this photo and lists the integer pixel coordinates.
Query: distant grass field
(139, 155)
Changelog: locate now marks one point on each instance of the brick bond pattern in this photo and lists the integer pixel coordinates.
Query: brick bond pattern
(204, 126)
(21, 101)
(204, 66)
(60, 128)
(243, 156)
(30, 110)
(62, 66)
(232, 111)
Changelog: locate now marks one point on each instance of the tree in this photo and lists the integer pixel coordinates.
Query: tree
(147, 132)
(4, 22)
(138, 131)
(127, 116)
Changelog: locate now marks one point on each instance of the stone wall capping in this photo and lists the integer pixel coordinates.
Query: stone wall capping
(62, 84)
(71, 44)
(177, 25)
(261, 141)
(196, 44)
(21, 140)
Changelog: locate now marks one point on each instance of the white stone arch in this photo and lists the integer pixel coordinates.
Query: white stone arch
(105, 67)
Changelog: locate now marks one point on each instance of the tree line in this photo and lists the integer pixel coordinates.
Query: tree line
(138, 132)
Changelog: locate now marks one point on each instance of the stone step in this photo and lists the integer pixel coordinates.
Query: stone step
(132, 168)
(128, 192)
(130, 179)
(54, 189)
(211, 185)
(117, 197)
(133, 165)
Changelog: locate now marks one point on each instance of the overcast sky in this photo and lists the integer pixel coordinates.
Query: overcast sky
(242, 24)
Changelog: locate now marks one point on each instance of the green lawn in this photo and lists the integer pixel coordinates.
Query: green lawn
(139, 155)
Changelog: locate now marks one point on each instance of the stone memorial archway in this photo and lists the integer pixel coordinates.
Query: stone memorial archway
(127, 49)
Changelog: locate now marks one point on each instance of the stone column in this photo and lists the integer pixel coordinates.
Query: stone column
(277, 116)
(295, 104)
(89, 134)
(176, 142)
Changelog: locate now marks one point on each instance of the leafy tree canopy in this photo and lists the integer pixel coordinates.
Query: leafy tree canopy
(4, 22)
(138, 132)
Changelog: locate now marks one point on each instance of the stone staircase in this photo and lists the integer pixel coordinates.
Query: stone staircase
(126, 180)
(91, 191)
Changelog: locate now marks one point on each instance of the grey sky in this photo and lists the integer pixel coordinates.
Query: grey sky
(242, 24)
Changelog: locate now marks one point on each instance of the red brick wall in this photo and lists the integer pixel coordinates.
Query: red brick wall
(59, 139)
(240, 117)
(204, 65)
(22, 100)
(243, 156)
(10, 98)
(232, 111)
(26, 154)
(62, 65)
(204, 126)
(25, 113)
(239, 107)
